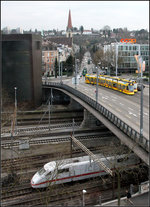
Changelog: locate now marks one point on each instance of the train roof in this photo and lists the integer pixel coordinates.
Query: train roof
(50, 166)
(66, 163)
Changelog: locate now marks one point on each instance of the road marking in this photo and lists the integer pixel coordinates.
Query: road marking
(132, 114)
(103, 97)
(110, 105)
(118, 109)
(128, 116)
(130, 108)
(114, 97)
(121, 104)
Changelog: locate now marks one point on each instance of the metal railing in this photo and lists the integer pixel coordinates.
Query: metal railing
(129, 131)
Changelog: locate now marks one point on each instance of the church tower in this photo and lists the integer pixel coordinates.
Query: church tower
(69, 31)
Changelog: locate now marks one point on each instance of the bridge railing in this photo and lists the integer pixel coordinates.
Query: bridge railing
(133, 134)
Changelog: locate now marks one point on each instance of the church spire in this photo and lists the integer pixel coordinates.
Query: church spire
(69, 21)
(69, 26)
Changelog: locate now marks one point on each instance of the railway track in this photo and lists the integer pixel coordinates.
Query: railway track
(37, 161)
(54, 132)
(42, 128)
(56, 195)
(57, 140)
(46, 121)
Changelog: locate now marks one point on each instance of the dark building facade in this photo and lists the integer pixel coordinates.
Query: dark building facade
(21, 66)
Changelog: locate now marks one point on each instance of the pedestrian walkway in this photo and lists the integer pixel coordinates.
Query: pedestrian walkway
(137, 199)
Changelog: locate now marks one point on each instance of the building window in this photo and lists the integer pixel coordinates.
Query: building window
(52, 60)
(38, 45)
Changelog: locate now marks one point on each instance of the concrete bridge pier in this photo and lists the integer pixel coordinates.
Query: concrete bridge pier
(89, 120)
(73, 105)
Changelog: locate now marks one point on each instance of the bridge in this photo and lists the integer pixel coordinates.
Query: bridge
(128, 135)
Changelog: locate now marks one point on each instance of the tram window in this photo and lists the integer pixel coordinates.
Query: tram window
(123, 87)
(63, 170)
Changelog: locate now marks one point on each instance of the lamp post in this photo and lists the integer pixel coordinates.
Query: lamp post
(58, 64)
(83, 199)
(96, 85)
(116, 59)
(141, 114)
(15, 109)
(61, 72)
(76, 69)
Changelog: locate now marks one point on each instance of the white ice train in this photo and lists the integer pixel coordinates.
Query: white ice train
(73, 169)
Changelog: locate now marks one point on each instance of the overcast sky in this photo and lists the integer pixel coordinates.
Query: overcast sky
(49, 15)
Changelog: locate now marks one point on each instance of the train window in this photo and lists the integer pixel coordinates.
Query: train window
(63, 170)
(122, 159)
(48, 174)
(42, 171)
(75, 160)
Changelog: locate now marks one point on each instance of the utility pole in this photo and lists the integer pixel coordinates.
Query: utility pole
(75, 73)
(15, 109)
(73, 127)
(140, 70)
(49, 113)
(50, 104)
(116, 59)
(59, 62)
(141, 110)
(61, 71)
(97, 85)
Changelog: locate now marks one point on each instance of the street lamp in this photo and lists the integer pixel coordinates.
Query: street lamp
(15, 109)
(76, 68)
(116, 59)
(50, 105)
(83, 200)
(141, 110)
(60, 69)
(96, 85)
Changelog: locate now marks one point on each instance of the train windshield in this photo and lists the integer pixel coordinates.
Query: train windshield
(42, 171)
(131, 88)
(135, 85)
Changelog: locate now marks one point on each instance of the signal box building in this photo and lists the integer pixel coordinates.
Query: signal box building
(21, 67)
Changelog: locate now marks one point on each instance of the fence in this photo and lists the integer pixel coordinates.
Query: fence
(133, 134)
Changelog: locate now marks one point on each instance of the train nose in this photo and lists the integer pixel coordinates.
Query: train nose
(35, 180)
